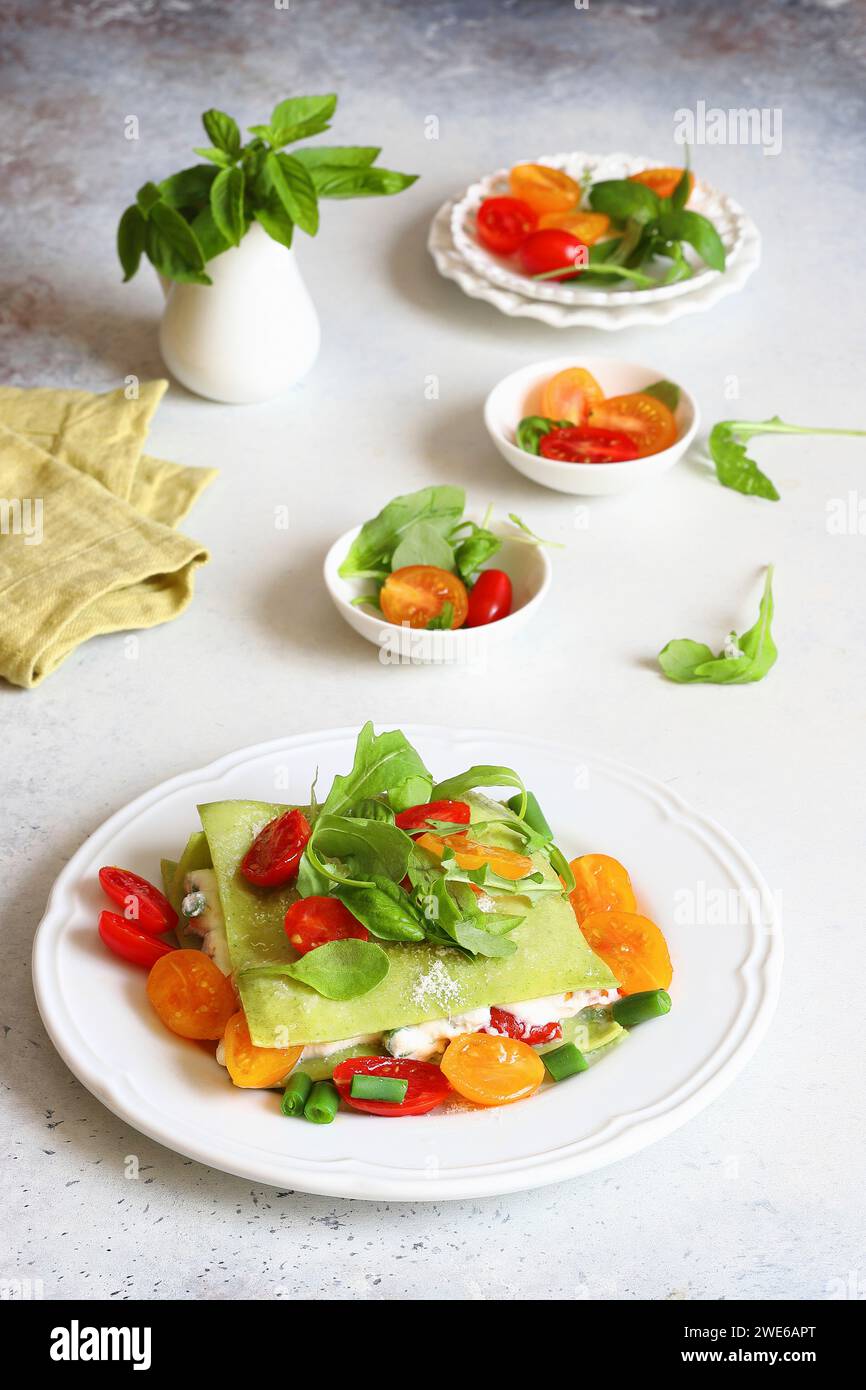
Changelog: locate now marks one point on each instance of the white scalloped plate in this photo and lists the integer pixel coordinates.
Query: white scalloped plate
(609, 316)
(727, 217)
(725, 987)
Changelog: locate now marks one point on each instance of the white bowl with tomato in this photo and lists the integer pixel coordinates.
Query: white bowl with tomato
(590, 426)
(494, 605)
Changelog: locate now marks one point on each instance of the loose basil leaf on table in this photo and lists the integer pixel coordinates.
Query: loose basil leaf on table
(745, 659)
(338, 970)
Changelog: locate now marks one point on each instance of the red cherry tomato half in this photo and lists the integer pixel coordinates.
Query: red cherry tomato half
(275, 853)
(427, 1086)
(505, 1023)
(312, 922)
(127, 939)
(552, 249)
(583, 444)
(490, 598)
(419, 817)
(142, 904)
(503, 223)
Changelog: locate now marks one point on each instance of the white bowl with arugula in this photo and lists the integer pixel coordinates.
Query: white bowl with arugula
(428, 584)
(590, 426)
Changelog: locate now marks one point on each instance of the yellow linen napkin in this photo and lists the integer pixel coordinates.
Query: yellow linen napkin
(86, 545)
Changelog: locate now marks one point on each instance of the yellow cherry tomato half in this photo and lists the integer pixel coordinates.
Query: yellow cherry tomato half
(492, 1070)
(588, 227)
(191, 995)
(571, 395)
(646, 420)
(251, 1066)
(632, 946)
(544, 189)
(600, 884)
(662, 181)
(417, 593)
(472, 855)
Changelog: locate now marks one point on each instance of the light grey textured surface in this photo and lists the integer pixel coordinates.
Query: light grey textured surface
(760, 1195)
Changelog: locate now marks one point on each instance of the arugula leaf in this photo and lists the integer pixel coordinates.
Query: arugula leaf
(423, 544)
(474, 551)
(530, 536)
(227, 204)
(384, 763)
(338, 970)
(372, 548)
(745, 659)
(735, 469)
(371, 808)
(665, 391)
(384, 909)
(222, 131)
(311, 882)
(480, 775)
(414, 790)
(443, 619)
(369, 848)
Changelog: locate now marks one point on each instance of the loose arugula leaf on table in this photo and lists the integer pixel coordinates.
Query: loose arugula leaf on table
(743, 660)
(370, 552)
(735, 469)
(338, 970)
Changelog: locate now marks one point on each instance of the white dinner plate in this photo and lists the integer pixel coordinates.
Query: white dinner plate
(685, 869)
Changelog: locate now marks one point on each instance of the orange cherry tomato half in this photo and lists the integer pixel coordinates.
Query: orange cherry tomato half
(419, 817)
(417, 593)
(492, 1070)
(472, 855)
(649, 422)
(583, 444)
(127, 940)
(544, 189)
(142, 903)
(275, 853)
(632, 946)
(253, 1067)
(662, 181)
(314, 921)
(503, 223)
(427, 1086)
(570, 395)
(191, 995)
(600, 884)
(588, 227)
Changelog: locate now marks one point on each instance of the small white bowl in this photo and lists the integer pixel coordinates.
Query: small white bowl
(527, 566)
(519, 394)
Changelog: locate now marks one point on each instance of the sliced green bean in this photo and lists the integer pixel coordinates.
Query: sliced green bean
(322, 1103)
(564, 1061)
(296, 1094)
(638, 1008)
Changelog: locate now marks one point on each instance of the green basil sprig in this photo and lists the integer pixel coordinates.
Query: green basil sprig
(744, 659)
(194, 215)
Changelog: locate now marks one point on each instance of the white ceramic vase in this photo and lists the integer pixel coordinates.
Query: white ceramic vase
(249, 335)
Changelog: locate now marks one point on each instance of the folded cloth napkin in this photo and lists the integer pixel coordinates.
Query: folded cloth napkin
(86, 539)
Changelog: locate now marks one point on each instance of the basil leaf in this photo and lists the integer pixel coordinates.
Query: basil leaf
(131, 240)
(311, 883)
(423, 544)
(531, 430)
(293, 186)
(299, 117)
(474, 552)
(359, 183)
(275, 220)
(625, 201)
(189, 187)
(338, 156)
(384, 909)
(680, 195)
(414, 790)
(338, 970)
(698, 231)
(227, 204)
(383, 763)
(692, 662)
(222, 131)
(216, 156)
(172, 247)
(379, 537)
(665, 391)
(208, 234)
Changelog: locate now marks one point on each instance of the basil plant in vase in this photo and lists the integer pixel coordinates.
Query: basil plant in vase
(239, 324)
